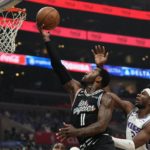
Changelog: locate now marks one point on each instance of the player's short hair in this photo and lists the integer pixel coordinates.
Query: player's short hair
(105, 77)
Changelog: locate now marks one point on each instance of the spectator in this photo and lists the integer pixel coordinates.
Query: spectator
(58, 146)
(74, 148)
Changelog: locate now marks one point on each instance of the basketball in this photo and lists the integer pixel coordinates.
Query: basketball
(48, 17)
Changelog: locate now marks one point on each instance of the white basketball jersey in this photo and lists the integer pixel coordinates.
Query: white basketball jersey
(135, 125)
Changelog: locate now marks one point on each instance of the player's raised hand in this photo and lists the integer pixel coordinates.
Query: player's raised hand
(45, 34)
(100, 55)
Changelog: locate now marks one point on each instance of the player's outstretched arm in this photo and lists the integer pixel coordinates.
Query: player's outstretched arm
(125, 105)
(143, 137)
(100, 55)
(68, 82)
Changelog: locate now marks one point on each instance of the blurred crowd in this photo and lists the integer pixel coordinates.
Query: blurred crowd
(37, 120)
(29, 121)
(25, 121)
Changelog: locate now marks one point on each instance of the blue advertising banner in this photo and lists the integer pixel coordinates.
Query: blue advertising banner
(38, 61)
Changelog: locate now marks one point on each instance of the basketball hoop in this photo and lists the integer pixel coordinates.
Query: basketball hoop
(10, 22)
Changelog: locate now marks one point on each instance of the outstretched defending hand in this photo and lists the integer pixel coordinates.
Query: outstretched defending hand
(100, 55)
(45, 34)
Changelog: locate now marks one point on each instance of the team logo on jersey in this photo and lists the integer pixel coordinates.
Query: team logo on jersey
(133, 127)
(83, 106)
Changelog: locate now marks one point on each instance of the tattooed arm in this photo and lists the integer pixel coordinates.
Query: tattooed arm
(104, 116)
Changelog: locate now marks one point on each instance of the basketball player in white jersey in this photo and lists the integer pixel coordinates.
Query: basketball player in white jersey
(138, 122)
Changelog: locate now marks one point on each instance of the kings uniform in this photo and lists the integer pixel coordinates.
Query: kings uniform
(135, 125)
(85, 112)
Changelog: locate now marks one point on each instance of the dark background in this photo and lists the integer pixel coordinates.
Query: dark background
(41, 86)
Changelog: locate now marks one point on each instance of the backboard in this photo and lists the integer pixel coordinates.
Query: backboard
(4, 4)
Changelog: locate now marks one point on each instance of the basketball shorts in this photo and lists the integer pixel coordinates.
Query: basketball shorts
(105, 142)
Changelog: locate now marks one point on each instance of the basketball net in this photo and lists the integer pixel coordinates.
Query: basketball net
(10, 22)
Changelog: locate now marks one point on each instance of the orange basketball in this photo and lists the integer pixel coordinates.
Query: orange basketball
(48, 17)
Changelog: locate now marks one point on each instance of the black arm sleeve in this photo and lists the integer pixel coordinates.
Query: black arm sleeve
(60, 70)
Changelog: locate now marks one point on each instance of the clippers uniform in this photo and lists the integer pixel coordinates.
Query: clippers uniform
(85, 112)
(135, 125)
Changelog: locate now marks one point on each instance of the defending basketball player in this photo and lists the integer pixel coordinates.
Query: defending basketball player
(138, 122)
(91, 106)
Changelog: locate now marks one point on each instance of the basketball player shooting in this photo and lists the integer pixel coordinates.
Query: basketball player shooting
(91, 106)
